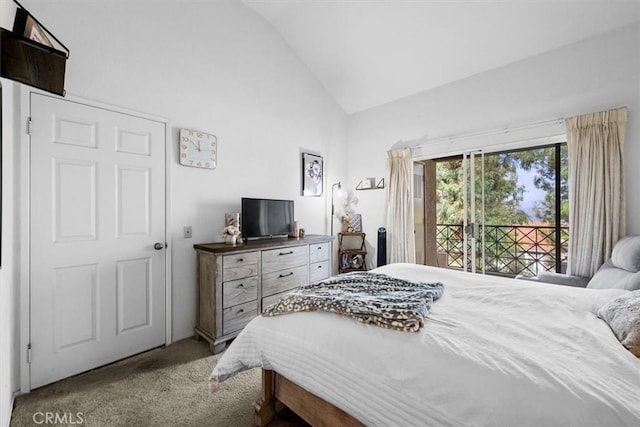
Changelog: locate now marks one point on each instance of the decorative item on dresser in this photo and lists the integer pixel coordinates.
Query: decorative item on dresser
(351, 258)
(235, 283)
(231, 231)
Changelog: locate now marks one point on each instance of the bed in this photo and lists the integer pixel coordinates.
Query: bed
(493, 352)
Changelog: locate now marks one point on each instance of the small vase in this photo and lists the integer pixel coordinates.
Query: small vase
(231, 240)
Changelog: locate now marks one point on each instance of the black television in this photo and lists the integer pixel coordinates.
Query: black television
(266, 218)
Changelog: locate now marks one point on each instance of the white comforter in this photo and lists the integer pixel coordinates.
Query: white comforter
(493, 352)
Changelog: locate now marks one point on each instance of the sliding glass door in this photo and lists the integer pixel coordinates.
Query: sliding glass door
(473, 211)
(503, 213)
(449, 211)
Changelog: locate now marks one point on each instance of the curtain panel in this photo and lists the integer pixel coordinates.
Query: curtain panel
(399, 220)
(596, 188)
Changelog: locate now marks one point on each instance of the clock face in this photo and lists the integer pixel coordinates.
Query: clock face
(198, 149)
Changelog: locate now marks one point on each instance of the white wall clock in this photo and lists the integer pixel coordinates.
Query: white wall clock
(198, 149)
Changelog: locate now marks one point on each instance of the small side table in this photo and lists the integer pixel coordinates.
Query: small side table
(351, 257)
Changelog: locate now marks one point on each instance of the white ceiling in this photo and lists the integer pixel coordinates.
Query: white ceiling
(370, 52)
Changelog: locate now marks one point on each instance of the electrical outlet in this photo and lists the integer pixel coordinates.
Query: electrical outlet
(187, 231)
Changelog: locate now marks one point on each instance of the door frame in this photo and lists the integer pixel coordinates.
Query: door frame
(25, 221)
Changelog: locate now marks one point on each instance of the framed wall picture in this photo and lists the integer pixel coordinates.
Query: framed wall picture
(312, 174)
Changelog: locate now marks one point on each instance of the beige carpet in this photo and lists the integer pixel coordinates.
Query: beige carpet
(163, 387)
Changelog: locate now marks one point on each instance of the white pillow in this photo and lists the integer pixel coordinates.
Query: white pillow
(611, 277)
(626, 254)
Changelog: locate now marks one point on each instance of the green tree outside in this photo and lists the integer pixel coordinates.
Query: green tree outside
(503, 196)
(502, 193)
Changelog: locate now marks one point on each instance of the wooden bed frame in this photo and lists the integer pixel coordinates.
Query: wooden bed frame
(311, 408)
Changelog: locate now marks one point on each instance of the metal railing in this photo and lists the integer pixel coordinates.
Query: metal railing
(509, 250)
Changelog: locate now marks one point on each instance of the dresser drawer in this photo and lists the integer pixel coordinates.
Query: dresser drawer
(281, 259)
(239, 291)
(283, 280)
(318, 271)
(238, 266)
(267, 301)
(319, 252)
(236, 317)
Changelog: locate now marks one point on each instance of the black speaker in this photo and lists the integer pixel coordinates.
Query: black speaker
(382, 247)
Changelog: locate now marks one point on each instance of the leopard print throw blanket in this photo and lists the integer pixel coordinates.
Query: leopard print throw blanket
(371, 298)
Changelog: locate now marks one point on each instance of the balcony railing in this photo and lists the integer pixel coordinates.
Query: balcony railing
(509, 250)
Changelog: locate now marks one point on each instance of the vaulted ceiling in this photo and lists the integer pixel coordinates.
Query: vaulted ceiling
(370, 52)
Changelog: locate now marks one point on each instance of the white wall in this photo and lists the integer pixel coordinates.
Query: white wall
(216, 67)
(9, 276)
(212, 66)
(593, 75)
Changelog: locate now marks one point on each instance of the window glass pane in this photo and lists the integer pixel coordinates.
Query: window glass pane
(525, 210)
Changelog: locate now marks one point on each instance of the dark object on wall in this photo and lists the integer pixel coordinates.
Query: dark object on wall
(1, 107)
(382, 247)
(312, 174)
(30, 54)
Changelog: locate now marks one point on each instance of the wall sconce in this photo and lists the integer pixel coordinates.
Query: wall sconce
(333, 210)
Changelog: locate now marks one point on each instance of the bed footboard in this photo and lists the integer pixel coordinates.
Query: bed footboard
(306, 405)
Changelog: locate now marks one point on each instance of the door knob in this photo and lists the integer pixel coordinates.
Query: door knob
(158, 246)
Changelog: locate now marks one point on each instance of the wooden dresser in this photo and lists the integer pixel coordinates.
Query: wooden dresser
(235, 283)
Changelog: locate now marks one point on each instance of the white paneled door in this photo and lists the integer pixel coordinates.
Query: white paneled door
(97, 196)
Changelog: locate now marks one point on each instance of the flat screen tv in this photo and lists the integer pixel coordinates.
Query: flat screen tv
(266, 218)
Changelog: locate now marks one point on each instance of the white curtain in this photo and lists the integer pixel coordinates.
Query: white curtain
(401, 245)
(596, 188)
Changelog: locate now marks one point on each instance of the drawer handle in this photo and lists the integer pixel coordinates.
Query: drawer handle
(286, 253)
(241, 311)
(319, 248)
(241, 285)
(240, 259)
(286, 275)
(318, 267)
